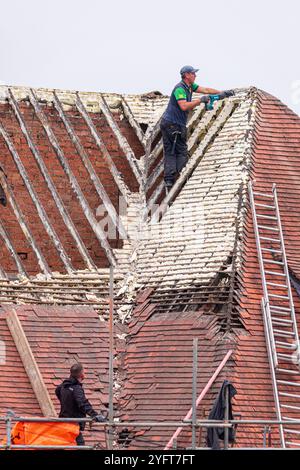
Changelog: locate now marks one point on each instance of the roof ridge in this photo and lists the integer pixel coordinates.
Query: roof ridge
(148, 95)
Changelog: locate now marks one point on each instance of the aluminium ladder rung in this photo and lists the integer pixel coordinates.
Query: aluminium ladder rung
(272, 261)
(286, 418)
(265, 227)
(290, 443)
(276, 284)
(271, 250)
(286, 382)
(293, 431)
(284, 325)
(266, 260)
(264, 205)
(285, 357)
(274, 272)
(282, 321)
(275, 313)
(283, 333)
(286, 346)
(277, 316)
(263, 194)
(270, 217)
(279, 296)
(270, 239)
(291, 407)
(282, 344)
(278, 307)
(287, 394)
(288, 356)
(287, 371)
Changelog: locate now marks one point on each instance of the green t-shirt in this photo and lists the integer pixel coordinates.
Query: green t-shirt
(180, 92)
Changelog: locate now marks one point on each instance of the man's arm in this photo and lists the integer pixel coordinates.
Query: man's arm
(82, 402)
(205, 90)
(57, 391)
(187, 105)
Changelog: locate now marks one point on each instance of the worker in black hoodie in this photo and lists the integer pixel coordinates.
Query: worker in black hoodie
(73, 402)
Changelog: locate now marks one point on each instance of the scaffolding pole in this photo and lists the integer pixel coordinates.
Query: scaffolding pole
(226, 430)
(111, 370)
(194, 399)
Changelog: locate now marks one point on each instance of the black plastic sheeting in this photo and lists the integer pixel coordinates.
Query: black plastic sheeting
(3, 200)
(295, 282)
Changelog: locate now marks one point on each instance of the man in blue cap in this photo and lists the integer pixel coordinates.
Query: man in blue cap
(174, 119)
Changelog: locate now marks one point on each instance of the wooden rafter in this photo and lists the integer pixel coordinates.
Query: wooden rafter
(30, 364)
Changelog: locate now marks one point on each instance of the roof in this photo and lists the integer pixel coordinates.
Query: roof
(275, 159)
(63, 169)
(187, 266)
(264, 146)
(159, 365)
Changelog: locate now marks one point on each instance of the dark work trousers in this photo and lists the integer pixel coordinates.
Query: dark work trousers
(175, 150)
(80, 439)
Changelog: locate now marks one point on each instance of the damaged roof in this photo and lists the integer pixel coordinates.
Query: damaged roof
(70, 159)
(66, 160)
(266, 143)
(185, 263)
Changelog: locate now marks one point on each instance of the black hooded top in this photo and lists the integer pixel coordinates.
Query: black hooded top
(73, 402)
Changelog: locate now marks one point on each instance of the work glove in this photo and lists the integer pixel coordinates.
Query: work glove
(228, 93)
(205, 99)
(99, 419)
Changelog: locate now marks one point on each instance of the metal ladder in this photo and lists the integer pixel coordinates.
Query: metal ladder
(278, 312)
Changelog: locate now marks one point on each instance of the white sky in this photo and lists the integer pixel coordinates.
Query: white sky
(135, 46)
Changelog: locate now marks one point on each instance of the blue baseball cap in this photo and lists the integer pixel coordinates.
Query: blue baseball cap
(188, 69)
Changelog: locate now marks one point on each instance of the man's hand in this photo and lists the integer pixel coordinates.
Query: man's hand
(99, 419)
(228, 93)
(204, 99)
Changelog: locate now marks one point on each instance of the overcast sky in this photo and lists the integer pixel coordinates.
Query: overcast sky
(135, 46)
